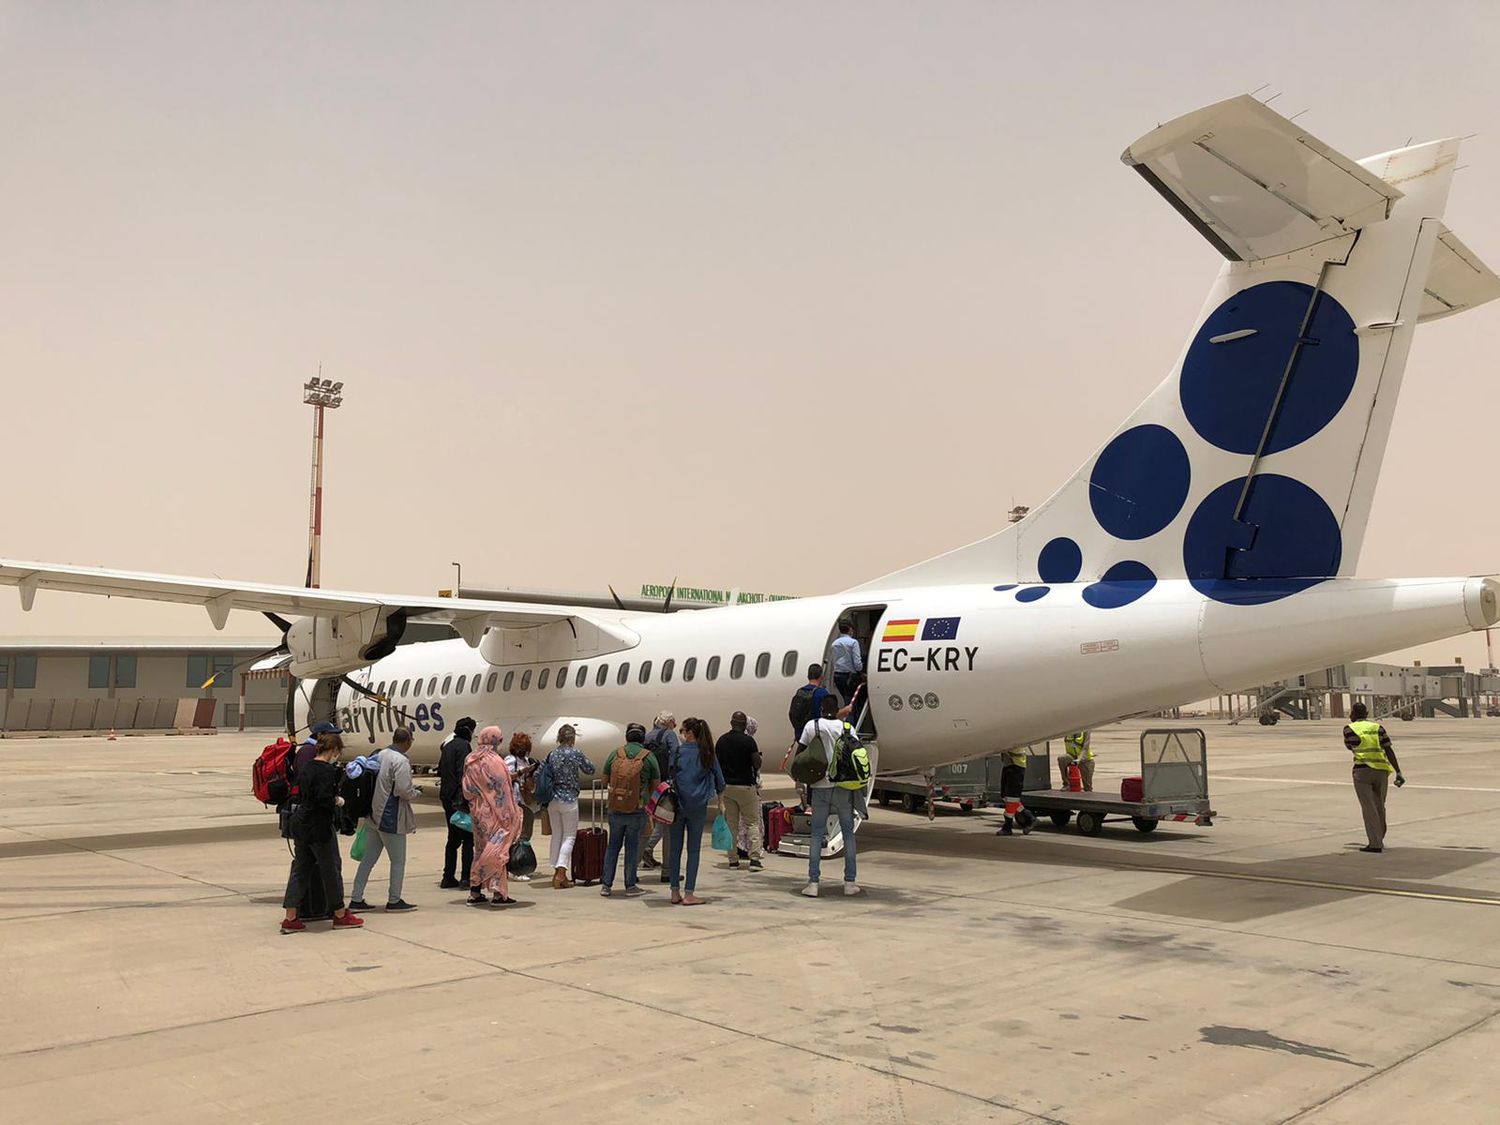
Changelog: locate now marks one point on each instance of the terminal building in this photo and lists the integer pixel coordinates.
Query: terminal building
(125, 684)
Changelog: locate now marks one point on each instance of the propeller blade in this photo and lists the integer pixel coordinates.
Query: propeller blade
(666, 606)
(277, 620)
(618, 603)
(257, 658)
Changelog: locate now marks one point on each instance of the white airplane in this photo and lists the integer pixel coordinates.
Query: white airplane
(1209, 545)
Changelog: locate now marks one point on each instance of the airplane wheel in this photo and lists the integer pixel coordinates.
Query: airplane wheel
(1144, 823)
(1060, 818)
(1090, 823)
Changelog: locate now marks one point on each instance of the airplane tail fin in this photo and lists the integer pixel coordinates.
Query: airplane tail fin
(1257, 457)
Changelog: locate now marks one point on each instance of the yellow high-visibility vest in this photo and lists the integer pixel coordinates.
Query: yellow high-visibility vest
(1368, 752)
(1017, 757)
(1074, 746)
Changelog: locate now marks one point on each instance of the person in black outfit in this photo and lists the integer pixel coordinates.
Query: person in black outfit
(316, 840)
(739, 761)
(451, 761)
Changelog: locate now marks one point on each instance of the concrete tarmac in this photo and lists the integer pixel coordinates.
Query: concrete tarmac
(1260, 970)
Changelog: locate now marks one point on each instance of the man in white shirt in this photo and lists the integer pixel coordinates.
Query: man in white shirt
(828, 799)
(848, 662)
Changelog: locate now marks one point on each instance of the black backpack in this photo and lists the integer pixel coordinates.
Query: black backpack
(659, 750)
(802, 706)
(359, 795)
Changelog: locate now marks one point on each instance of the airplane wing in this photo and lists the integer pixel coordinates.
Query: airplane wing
(469, 617)
(1255, 184)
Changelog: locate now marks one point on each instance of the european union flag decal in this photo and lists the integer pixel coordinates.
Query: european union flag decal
(940, 629)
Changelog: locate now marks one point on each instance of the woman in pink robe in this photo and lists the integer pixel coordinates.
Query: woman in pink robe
(496, 816)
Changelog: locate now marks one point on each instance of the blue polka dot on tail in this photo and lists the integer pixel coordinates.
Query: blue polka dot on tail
(1139, 482)
(1123, 583)
(1288, 540)
(1228, 388)
(1033, 593)
(1060, 561)
(1007, 586)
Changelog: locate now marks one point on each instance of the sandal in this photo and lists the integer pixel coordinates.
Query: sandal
(676, 899)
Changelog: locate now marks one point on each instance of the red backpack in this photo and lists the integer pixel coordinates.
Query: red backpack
(271, 775)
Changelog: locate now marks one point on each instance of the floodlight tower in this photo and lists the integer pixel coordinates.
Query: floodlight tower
(321, 394)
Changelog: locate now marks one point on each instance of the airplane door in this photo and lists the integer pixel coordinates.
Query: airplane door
(865, 619)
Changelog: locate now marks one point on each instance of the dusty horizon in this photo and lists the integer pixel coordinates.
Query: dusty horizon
(627, 294)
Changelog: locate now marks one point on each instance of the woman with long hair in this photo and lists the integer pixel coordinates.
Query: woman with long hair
(699, 781)
(316, 839)
(497, 818)
(567, 763)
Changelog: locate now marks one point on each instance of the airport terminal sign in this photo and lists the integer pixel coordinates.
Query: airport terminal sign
(700, 595)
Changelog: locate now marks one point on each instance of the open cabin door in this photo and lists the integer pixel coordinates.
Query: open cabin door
(864, 621)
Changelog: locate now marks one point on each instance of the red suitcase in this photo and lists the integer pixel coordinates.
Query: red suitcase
(778, 822)
(1130, 789)
(589, 844)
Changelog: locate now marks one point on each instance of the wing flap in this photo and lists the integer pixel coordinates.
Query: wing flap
(1254, 184)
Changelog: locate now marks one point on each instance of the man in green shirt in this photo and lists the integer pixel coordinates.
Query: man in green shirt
(631, 773)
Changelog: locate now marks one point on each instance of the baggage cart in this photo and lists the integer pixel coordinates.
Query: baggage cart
(961, 783)
(1174, 787)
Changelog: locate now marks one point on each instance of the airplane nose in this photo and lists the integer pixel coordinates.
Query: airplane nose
(1482, 602)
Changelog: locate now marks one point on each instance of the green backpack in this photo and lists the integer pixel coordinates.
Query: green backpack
(851, 761)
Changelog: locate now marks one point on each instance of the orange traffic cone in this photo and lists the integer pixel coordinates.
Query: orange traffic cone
(111, 737)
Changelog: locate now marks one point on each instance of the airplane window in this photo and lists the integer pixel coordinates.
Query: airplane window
(602, 676)
(789, 664)
(737, 667)
(711, 672)
(562, 677)
(583, 674)
(490, 686)
(689, 668)
(666, 671)
(432, 686)
(474, 684)
(380, 688)
(541, 681)
(645, 671)
(624, 673)
(526, 679)
(510, 678)
(762, 665)
(405, 687)
(447, 683)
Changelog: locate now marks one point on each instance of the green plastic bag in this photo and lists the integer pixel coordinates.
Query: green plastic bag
(357, 849)
(723, 838)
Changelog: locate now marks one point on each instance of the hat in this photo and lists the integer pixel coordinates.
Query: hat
(464, 724)
(635, 733)
(325, 728)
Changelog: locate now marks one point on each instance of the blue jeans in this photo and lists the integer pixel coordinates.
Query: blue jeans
(828, 802)
(375, 843)
(689, 823)
(625, 828)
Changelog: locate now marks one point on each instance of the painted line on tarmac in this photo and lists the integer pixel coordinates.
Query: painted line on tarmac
(1308, 781)
(1316, 884)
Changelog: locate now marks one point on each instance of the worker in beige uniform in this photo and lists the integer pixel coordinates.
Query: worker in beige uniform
(1078, 753)
(1374, 762)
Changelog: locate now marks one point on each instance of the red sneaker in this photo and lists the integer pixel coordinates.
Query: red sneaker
(292, 926)
(348, 921)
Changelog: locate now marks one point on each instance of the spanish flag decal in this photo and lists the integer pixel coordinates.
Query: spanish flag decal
(900, 630)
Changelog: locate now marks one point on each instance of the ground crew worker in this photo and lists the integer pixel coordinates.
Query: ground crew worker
(1080, 754)
(1374, 762)
(1012, 785)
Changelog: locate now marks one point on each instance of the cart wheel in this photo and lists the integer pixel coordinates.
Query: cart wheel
(1090, 823)
(966, 807)
(1060, 818)
(884, 798)
(912, 803)
(1144, 823)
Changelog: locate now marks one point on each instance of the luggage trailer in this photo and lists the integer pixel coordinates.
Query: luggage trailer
(1174, 786)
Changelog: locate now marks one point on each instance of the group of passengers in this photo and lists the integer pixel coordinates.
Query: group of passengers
(493, 794)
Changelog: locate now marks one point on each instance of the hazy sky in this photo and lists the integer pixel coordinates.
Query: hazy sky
(627, 291)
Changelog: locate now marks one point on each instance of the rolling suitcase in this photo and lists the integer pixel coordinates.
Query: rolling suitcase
(1131, 790)
(589, 844)
(777, 822)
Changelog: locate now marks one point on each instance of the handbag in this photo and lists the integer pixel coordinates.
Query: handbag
(357, 851)
(522, 860)
(462, 820)
(662, 807)
(722, 837)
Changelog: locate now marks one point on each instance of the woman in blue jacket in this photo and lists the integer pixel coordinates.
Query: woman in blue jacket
(698, 781)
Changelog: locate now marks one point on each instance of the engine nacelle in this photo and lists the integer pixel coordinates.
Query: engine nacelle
(332, 646)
